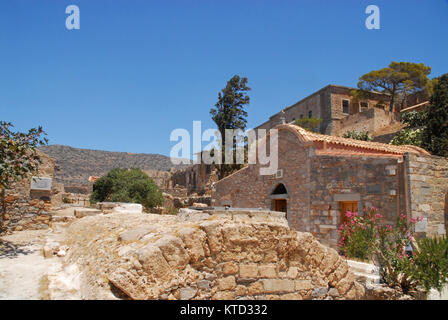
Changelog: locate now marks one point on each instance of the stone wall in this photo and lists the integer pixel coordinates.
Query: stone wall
(27, 209)
(222, 255)
(248, 189)
(371, 181)
(371, 121)
(428, 184)
(327, 105)
(316, 186)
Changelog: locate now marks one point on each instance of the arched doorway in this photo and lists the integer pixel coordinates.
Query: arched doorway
(279, 198)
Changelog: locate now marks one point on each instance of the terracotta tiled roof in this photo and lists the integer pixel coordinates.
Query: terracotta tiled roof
(308, 136)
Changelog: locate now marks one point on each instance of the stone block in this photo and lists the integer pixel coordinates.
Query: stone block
(85, 212)
(267, 271)
(187, 293)
(278, 285)
(227, 283)
(248, 271)
(303, 285)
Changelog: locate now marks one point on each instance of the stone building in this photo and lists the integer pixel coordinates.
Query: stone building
(320, 177)
(334, 105)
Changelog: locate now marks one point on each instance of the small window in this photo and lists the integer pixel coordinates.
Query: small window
(346, 106)
(301, 116)
(363, 106)
(310, 114)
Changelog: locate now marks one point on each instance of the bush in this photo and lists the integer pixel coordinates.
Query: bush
(358, 135)
(431, 262)
(310, 124)
(127, 185)
(368, 237)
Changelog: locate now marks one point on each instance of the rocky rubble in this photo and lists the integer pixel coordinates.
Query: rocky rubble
(206, 255)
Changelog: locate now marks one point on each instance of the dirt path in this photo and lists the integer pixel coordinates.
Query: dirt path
(22, 265)
(24, 271)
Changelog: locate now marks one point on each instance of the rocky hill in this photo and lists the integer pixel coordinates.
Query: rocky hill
(74, 165)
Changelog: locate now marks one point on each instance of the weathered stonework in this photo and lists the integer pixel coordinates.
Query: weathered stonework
(211, 255)
(326, 104)
(428, 184)
(320, 176)
(26, 208)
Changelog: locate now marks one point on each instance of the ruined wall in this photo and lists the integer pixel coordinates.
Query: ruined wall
(371, 181)
(327, 105)
(371, 121)
(223, 255)
(315, 103)
(26, 209)
(428, 184)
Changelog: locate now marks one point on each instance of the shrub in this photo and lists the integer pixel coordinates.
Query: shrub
(431, 262)
(358, 135)
(310, 124)
(366, 236)
(127, 185)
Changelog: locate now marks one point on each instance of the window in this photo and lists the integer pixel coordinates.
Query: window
(346, 106)
(363, 106)
(301, 116)
(310, 114)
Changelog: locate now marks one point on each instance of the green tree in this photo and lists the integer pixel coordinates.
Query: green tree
(229, 113)
(19, 158)
(411, 134)
(127, 185)
(435, 132)
(399, 80)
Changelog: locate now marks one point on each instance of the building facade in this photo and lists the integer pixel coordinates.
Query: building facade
(333, 104)
(320, 177)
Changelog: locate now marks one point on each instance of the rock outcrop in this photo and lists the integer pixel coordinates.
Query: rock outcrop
(208, 255)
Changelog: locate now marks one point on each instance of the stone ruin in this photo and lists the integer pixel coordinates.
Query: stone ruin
(209, 254)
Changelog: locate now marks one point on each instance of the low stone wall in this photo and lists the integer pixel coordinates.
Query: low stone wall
(26, 208)
(209, 255)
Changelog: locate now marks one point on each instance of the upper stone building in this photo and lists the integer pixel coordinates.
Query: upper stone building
(320, 177)
(339, 111)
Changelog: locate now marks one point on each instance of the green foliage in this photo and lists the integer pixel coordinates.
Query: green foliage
(367, 237)
(127, 185)
(435, 133)
(229, 113)
(18, 153)
(399, 80)
(412, 133)
(358, 135)
(431, 263)
(66, 200)
(18, 157)
(310, 124)
(408, 136)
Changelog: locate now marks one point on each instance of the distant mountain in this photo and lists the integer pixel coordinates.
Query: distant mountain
(74, 165)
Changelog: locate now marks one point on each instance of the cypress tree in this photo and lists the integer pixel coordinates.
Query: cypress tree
(435, 133)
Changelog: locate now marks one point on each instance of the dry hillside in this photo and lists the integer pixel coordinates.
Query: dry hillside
(74, 165)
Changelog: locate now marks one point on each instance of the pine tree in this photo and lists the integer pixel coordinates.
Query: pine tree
(435, 133)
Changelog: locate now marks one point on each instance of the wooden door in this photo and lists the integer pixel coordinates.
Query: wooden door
(345, 206)
(280, 205)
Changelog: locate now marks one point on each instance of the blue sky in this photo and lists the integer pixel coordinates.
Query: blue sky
(136, 70)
